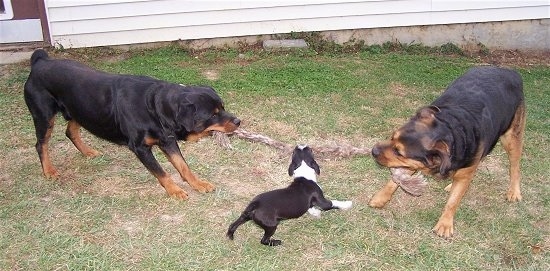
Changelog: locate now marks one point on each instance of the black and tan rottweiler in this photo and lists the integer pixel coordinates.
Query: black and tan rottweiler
(136, 111)
(450, 137)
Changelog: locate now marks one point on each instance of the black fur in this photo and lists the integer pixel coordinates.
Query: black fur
(473, 112)
(269, 208)
(136, 111)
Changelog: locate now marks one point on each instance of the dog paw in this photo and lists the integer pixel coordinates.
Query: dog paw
(344, 205)
(513, 196)
(51, 174)
(444, 229)
(178, 193)
(203, 186)
(377, 202)
(91, 153)
(314, 212)
(274, 242)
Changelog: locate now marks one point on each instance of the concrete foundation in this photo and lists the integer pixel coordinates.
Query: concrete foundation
(524, 35)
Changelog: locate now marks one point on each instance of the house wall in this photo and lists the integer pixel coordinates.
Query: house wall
(20, 21)
(87, 23)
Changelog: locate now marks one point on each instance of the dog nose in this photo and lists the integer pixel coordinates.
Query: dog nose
(237, 122)
(375, 151)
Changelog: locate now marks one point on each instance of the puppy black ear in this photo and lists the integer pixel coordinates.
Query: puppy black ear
(315, 166)
(292, 167)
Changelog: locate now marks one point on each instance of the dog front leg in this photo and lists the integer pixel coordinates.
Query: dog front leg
(326, 204)
(384, 195)
(173, 153)
(266, 239)
(461, 181)
(146, 157)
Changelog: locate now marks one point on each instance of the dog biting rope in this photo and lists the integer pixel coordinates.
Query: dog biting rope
(411, 182)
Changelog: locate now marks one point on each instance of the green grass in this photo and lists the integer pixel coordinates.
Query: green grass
(109, 213)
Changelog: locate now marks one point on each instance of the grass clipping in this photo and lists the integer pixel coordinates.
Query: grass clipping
(411, 182)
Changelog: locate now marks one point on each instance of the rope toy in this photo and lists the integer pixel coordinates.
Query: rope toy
(411, 182)
(222, 139)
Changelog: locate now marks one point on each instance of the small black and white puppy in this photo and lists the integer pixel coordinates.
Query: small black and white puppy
(301, 196)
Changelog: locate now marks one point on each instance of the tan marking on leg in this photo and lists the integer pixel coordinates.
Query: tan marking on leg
(47, 167)
(461, 181)
(171, 188)
(448, 187)
(512, 142)
(73, 133)
(384, 195)
(181, 166)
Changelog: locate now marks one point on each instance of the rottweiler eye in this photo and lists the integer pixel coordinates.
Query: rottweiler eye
(396, 152)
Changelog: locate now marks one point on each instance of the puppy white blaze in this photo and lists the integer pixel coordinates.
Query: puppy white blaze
(305, 171)
(302, 146)
(344, 205)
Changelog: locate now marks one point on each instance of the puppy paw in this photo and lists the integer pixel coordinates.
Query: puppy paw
(314, 212)
(344, 205)
(274, 242)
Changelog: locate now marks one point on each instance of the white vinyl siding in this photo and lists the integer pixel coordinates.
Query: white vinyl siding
(87, 23)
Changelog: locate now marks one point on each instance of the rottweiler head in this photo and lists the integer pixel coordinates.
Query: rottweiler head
(201, 111)
(422, 144)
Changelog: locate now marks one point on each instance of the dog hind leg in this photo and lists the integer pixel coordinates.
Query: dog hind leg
(43, 135)
(73, 133)
(512, 142)
(233, 227)
(43, 109)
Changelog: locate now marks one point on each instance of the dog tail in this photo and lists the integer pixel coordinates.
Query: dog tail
(37, 55)
(245, 216)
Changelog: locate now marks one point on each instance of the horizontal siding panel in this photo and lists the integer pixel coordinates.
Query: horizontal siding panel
(200, 5)
(448, 5)
(317, 24)
(234, 16)
(290, 8)
(212, 14)
(140, 6)
(109, 22)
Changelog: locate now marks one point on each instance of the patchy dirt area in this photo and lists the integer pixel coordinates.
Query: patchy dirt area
(516, 58)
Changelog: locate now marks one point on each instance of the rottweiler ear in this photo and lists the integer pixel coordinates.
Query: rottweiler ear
(427, 114)
(186, 116)
(441, 157)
